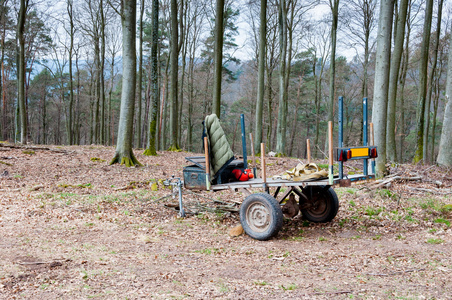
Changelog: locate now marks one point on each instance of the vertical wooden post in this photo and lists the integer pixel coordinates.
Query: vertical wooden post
(206, 153)
(264, 171)
(330, 153)
(308, 146)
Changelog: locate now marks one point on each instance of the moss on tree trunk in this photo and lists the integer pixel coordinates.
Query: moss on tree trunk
(127, 159)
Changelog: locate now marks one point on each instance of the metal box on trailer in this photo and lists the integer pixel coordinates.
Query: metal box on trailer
(195, 177)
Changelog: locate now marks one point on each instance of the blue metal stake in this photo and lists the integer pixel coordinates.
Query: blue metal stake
(242, 125)
(341, 134)
(365, 140)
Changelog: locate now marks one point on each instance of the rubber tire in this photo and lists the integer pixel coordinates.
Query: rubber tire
(267, 211)
(328, 211)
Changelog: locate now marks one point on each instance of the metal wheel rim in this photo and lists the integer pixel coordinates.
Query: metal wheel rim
(319, 206)
(258, 217)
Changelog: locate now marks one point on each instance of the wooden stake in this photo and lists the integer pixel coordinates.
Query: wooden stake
(264, 171)
(308, 146)
(206, 153)
(372, 134)
(330, 152)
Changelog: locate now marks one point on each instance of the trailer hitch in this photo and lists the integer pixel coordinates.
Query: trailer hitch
(176, 183)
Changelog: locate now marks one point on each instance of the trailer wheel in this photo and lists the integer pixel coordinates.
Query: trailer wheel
(321, 205)
(261, 216)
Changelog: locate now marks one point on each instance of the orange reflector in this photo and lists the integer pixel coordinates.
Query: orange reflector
(360, 152)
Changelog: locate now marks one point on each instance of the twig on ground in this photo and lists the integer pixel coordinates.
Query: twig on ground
(395, 179)
(432, 191)
(395, 273)
(331, 293)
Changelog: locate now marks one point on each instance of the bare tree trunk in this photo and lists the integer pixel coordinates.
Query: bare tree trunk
(445, 144)
(140, 76)
(101, 73)
(77, 103)
(282, 108)
(21, 71)
(70, 135)
(174, 77)
(124, 153)
(381, 84)
(422, 91)
(334, 6)
(219, 31)
(393, 79)
(261, 76)
(430, 84)
(151, 150)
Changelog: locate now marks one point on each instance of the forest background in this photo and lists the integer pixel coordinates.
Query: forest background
(66, 79)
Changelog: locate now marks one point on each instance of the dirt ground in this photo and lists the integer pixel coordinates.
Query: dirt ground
(73, 227)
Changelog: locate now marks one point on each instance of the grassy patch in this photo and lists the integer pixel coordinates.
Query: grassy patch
(443, 221)
(435, 241)
(371, 211)
(290, 287)
(208, 251)
(385, 193)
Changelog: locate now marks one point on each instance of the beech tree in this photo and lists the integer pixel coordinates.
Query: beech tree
(430, 84)
(382, 81)
(396, 58)
(261, 75)
(334, 6)
(422, 90)
(219, 32)
(151, 149)
(124, 154)
(21, 70)
(445, 145)
(174, 64)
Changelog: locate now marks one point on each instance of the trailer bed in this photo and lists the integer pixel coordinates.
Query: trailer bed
(270, 182)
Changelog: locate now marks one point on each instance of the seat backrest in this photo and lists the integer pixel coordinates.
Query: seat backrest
(220, 151)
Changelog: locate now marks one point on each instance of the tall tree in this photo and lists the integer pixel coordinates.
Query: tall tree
(174, 64)
(334, 6)
(282, 108)
(140, 75)
(219, 31)
(382, 67)
(422, 91)
(21, 70)
(124, 153)
(69, 126)
(362, 22)
(445, 144)
(431, 82)
(102, 134)
(261, 76)
(151, 149)
(396, 58)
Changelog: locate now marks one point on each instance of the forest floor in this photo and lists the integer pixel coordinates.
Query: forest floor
(74, 227)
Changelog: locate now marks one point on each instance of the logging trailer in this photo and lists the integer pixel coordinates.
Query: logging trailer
(261, 213)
